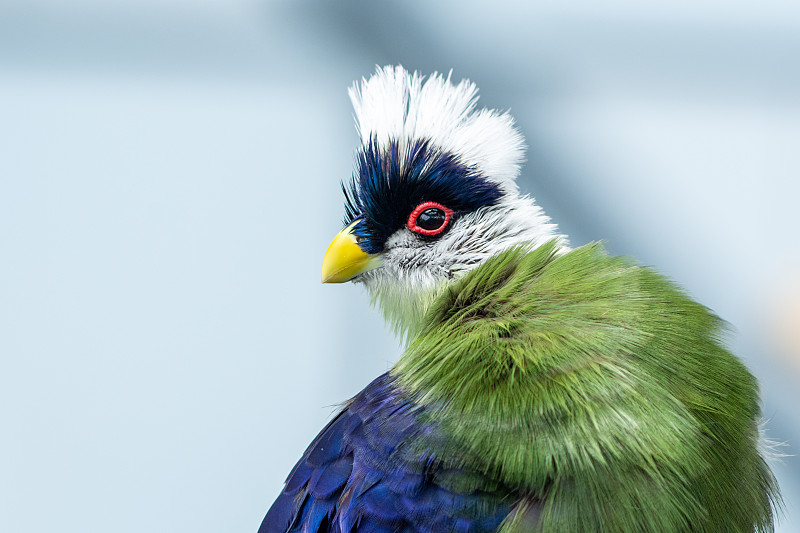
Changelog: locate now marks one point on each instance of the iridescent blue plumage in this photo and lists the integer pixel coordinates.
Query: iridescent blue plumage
(369, 471)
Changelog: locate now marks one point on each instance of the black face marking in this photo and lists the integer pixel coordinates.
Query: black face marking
(387, 187)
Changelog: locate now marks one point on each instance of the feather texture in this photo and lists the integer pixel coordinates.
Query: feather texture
(598, 386)
(549, 393)
(370, 471)
(395, 105)
(544, 389)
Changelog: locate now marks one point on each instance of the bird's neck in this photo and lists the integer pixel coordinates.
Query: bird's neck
(405, 303)
(406, 297)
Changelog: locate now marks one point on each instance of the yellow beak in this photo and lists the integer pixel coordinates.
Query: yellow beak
(345, 259)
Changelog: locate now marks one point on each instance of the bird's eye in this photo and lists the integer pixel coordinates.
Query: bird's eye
(429, 218)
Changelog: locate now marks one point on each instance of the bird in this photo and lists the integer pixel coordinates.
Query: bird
(542, 387)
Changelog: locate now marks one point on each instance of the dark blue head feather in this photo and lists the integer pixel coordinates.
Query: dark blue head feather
(387, 186)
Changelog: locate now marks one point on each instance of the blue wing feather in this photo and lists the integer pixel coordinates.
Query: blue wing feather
(360, 476)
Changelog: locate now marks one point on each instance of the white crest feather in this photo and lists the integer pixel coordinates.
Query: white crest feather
(394, 104)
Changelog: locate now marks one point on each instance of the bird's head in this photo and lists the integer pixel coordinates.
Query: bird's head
(433, 194)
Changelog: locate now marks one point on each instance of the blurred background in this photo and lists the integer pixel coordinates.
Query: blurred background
(169, 182)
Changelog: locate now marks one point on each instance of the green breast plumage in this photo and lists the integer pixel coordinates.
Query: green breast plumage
(597, 388)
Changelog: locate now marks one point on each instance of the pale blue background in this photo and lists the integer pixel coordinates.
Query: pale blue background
(169, 181)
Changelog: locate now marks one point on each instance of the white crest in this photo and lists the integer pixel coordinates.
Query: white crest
(398, 105)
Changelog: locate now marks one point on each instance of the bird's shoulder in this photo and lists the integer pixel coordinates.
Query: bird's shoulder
(573, 365)
(371, 469)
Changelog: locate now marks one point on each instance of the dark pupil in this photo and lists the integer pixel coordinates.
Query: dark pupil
(431, 219)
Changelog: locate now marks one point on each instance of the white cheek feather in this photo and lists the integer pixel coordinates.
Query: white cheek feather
(395, 105)
(415, 271)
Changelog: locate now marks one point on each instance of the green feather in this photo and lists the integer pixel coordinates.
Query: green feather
(597, 388)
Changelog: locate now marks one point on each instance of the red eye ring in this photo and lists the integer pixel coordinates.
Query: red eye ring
(412, 218)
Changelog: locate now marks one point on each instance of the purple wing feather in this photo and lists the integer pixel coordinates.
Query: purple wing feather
(361, 475)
